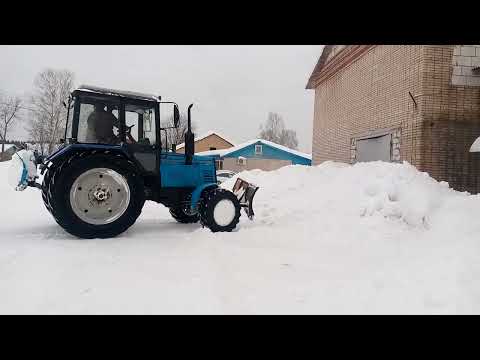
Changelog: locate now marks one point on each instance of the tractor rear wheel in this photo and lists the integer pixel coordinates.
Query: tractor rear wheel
(179, 214)
(97, 196)
(219, 210)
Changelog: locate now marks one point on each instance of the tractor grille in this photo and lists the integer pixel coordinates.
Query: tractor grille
(208, 176)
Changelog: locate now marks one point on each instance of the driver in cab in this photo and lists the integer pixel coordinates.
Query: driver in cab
(100, 125)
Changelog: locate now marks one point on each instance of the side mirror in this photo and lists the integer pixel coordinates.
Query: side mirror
(64, 104)
(176, 116)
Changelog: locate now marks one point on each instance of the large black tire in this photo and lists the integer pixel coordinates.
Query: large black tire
(210, 199)
(179, 214)
(58, 182)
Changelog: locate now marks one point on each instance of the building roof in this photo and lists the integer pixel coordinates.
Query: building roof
(321, 61)
(121, 93)
(207, 134)
(334, 58)
(8, 146)
(225, 152)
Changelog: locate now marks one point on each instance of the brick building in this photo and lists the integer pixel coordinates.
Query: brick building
(211, 140)
(415, 103)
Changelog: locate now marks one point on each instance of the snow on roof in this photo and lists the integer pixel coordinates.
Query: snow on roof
(123, 93)
(207, 134)
(225, 152)
(7, 146)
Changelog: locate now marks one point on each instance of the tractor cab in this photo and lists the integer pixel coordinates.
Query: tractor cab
(112, 161)
(120, 118)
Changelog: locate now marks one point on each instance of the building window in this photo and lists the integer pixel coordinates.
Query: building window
(242, 161)
(258, 149)
(213, 148)
(219, 164)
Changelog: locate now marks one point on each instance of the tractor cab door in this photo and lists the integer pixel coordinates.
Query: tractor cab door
(141, 134)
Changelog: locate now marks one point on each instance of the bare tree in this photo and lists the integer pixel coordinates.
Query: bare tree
(274, 131)
(10, 107)
(175, 136)
(48, 113)
(38, 134)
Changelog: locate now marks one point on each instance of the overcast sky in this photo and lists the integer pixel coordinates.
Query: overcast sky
(233, 87)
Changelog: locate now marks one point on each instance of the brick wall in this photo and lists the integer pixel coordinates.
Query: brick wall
(413, 93)
(465, 59)
(367, 96)
(451, 114)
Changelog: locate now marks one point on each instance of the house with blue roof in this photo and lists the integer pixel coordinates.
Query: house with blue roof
(258, 154)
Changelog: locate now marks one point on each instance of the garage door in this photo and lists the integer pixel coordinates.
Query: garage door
(372, 149)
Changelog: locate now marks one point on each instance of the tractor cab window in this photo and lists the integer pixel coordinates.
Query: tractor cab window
(140, 124)
(98, 122)
(68, 130)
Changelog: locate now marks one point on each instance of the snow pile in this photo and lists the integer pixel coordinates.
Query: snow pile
(392, 191)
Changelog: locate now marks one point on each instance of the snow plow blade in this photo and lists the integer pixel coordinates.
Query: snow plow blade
(245, 193)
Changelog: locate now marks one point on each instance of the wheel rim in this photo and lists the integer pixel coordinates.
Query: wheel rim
(224, 212)
(100, 196)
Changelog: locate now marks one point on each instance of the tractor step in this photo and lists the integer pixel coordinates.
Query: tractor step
(245, 191)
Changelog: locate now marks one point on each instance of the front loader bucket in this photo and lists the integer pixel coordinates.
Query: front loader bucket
(245, 193)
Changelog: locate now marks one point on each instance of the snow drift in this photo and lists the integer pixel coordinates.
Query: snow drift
(349, 193)
(335, 238)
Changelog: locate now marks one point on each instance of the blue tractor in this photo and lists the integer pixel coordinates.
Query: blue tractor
(111, 161)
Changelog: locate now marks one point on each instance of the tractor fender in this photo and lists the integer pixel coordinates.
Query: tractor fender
(65, 151)
(198, 192)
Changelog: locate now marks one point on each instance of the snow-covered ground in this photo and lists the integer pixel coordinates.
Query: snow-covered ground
(368, 238)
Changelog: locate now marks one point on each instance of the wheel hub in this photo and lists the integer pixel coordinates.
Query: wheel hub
(224, 212)
(100, 196)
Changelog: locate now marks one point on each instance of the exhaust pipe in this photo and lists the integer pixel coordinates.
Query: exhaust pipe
(189, 139)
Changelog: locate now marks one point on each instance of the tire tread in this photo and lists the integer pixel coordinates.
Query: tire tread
(75, 227)
(209, 199)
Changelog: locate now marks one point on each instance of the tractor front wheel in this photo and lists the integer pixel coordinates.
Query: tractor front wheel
(220, 210)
